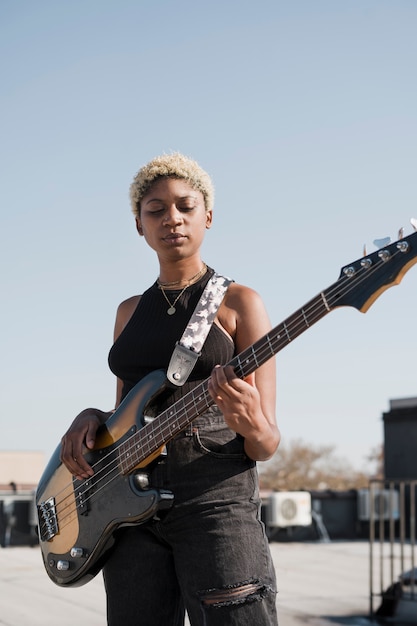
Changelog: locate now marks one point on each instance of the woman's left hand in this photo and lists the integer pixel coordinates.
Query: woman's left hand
(239, 401)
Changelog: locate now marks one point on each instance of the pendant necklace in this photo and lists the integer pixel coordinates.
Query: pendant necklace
(171, 310)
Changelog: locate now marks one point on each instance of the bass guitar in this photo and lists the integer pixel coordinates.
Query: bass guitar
(78, 518)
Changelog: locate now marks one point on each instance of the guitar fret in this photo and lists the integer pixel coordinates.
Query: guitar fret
(305, 318)
(237, 365)
(271, 348)
(325, 301)
(196, 402)
(286, 331)
(123, 457)
(180, 408)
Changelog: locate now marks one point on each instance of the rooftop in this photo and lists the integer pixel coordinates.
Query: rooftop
(320, 584)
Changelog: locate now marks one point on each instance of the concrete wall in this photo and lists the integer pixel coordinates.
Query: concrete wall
(23, 468)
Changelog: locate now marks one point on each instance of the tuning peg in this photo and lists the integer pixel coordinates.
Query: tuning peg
(380, 243)
(414, 223)
(364, 250)
(401, 233)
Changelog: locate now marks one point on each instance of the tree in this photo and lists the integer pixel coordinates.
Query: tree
(376, 456)
(301, 466)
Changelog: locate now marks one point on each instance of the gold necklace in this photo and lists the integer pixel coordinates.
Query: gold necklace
(171, 310)
(187, 280)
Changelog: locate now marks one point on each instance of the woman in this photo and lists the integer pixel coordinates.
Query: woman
(207, 554)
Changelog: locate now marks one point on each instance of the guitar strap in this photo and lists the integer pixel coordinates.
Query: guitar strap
(188, 348)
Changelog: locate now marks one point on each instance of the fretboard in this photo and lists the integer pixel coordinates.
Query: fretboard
(179, 415)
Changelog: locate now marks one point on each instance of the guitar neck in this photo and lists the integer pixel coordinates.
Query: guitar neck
(179, 415)
(359, 285)
(279, 337)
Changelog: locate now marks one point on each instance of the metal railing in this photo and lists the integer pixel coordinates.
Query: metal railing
(392, 539)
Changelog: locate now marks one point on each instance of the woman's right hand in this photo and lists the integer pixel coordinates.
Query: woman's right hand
(81, 435)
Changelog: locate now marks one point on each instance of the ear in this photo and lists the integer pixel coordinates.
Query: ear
(139, 226)
(209, 218)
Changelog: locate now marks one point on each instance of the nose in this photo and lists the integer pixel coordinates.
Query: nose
(172, 216)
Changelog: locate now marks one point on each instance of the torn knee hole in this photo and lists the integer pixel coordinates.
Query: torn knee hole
(236, 594)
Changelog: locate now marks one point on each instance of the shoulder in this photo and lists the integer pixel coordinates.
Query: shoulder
(128, 305)
(241, 296)
(243, 299)
(243, 310)
(125, 311)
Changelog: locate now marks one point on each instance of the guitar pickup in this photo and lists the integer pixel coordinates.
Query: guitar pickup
(48, 523)
(82, 492)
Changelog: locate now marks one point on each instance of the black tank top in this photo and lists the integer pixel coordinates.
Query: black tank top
(148, 339)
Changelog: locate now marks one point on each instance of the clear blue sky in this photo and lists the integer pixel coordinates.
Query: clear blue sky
(304, 113)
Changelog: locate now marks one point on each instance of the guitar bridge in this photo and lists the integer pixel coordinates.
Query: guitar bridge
(48, 523)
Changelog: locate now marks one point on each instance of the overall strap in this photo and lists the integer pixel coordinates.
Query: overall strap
(188, 348)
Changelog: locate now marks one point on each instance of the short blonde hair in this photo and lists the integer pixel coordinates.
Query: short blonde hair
(174, 165)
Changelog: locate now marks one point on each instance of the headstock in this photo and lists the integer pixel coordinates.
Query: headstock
(360, 283)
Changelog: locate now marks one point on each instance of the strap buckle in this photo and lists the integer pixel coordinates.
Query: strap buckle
(181, 365)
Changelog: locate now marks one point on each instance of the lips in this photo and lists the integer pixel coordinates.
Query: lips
(175, 238)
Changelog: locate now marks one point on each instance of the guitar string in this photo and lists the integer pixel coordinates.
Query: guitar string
(79, 499)
(334, 292)
(336, 287)
(161, 426)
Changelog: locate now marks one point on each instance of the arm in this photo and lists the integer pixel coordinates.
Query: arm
(83, 430)
(248, 405)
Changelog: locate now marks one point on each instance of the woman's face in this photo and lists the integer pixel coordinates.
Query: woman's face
(173, 218)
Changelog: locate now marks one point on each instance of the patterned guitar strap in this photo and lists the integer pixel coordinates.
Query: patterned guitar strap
(188, 348)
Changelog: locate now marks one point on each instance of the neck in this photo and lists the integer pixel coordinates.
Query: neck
(182, 278)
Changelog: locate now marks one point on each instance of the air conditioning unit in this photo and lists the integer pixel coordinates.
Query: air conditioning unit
(289, 508)
(385, 504)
